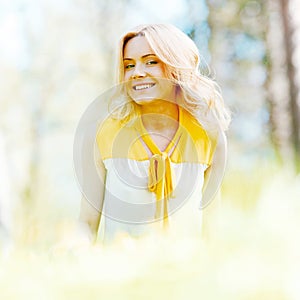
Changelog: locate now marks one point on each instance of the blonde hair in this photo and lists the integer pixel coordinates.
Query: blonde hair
(201, 95)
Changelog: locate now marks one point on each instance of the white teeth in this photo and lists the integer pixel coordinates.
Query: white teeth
(142, 86)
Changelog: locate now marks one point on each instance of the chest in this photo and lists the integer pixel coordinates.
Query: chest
(162, 142)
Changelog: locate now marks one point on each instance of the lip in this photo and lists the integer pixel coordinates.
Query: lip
(142, 86)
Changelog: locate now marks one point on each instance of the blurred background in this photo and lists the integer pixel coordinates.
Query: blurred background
(56, 57)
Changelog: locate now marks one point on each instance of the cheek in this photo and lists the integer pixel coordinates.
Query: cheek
(163, 71)
(126, 75)
(127, 87)
(159, 72)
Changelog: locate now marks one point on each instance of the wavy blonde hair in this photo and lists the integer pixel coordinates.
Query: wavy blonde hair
(201, 95)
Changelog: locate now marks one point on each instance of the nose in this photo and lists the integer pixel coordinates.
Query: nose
(139, 71)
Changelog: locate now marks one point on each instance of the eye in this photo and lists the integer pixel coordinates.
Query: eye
(151, 62)
(129, 66)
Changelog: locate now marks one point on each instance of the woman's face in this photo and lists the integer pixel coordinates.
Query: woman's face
(144, 73)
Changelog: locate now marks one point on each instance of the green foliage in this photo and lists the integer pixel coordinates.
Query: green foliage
(253, 254)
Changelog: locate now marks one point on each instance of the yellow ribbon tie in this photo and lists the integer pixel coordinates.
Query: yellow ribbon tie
(161, 175)
(161, 179)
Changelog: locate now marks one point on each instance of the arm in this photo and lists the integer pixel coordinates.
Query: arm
(89, 220)
(93, 197)
(211, 191)
(214, 174)
(86, 229)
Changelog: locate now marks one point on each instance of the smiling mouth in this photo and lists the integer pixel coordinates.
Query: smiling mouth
(143, 86)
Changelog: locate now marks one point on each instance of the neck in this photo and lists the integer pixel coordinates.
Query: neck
(160, 116)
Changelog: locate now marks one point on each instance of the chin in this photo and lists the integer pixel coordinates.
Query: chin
(143, 100)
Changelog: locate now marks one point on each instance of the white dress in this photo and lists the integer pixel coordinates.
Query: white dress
(130, 207)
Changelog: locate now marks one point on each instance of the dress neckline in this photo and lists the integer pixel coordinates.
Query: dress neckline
(147, 141)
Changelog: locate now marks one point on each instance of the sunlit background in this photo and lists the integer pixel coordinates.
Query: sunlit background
(56, 57)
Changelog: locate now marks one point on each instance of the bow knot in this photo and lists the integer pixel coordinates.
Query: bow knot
(161, 175)
(161, 180)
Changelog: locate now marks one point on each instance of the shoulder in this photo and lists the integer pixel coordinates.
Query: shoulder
(115, 137)
(108, 126)
(106, 133)
(204, 141)
(194, 127)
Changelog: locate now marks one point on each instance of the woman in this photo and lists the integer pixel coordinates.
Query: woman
(163, 142)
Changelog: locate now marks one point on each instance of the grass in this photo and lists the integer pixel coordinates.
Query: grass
(252, 253)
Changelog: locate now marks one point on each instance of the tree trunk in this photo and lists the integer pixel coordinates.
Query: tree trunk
(277, 85)
(293, 88)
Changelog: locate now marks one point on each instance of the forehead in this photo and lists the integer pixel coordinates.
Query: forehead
(137, 47)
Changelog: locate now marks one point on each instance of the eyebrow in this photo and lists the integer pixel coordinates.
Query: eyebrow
(144, 56)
